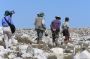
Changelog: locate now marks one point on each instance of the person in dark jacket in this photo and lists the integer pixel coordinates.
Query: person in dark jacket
(55, 29)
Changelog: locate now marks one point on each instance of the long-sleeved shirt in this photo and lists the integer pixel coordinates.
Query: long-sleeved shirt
(4, 23)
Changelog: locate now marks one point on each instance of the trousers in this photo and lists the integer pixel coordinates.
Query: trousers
(7, 36)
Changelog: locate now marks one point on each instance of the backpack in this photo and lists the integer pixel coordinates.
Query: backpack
(55, 25)
(38, 24)
(12, 26)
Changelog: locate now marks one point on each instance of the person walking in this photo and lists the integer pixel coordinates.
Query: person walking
(55, 29)
(6, 21)
(40, 26)
(65, 30)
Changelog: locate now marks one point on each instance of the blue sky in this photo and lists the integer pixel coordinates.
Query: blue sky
(25, 11)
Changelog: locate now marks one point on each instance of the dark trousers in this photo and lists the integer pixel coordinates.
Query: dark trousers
(39, 33)
(67, 35)
(55, 34)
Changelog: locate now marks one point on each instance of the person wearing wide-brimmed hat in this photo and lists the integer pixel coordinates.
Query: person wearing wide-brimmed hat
(55, 28)
(6, 28)
(40, 26)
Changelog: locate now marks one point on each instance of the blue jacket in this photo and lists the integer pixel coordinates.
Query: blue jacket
(4, 23)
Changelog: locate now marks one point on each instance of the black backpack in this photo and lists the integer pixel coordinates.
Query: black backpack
(12, 26)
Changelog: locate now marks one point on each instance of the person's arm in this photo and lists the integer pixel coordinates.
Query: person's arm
(35, 21)
(51, 24)
(43, 22)
(59, 24)
(62, 26)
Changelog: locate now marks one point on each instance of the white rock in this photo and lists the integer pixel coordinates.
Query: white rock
(1, 38)
(77, 56)
(39, 54)
(1, 48)
(17, 58)
(14, 48)
(4, 51)
(14, 42)
(89, 47)
(23, 48)
(1, 57)
(69, 44)
(25, 35)
(47, 40)
(58, 52)
(83, 55)
(26, 55)
(1, 30)
(11, 56)
(30, 50)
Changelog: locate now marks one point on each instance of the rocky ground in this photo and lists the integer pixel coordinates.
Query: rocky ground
(24, 45)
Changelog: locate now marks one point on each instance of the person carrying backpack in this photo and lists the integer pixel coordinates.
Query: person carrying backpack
(6, 21)
(65, 30)
(40, 26)
(55, 28)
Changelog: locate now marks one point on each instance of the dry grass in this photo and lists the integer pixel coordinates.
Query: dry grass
(52, 57)
(23, 40)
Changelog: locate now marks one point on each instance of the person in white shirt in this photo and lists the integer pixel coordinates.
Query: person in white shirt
(65, 30)
(6, 28)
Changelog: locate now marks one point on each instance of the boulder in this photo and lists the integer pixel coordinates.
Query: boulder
(83, 55)
(58, 52)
